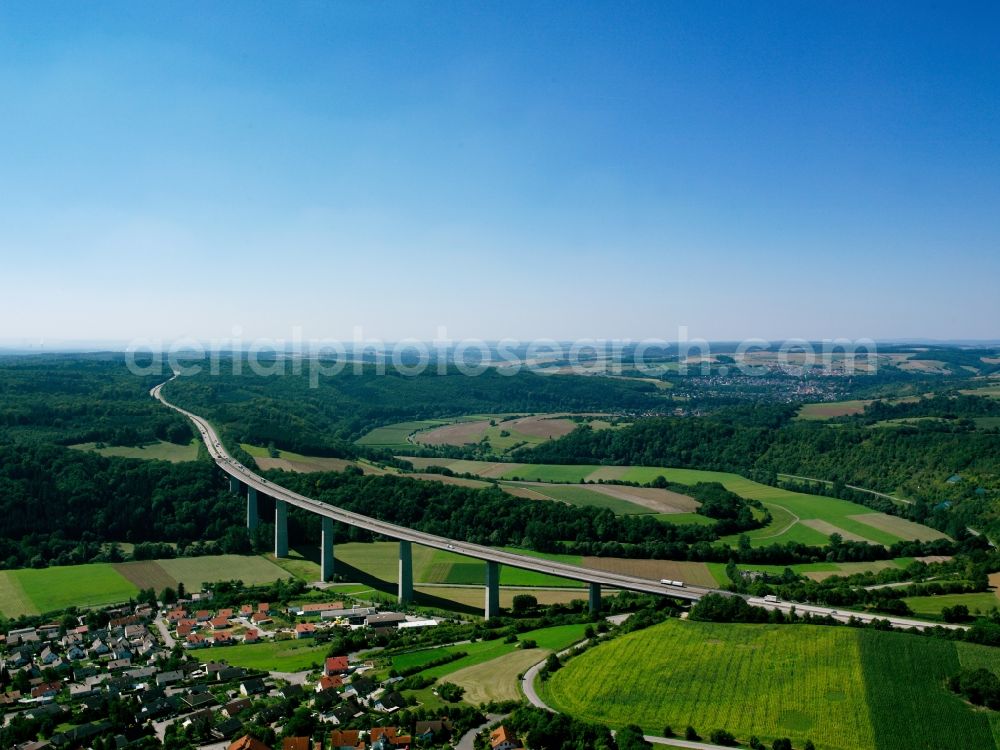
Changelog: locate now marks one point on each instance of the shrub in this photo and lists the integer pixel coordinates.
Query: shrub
(722, 737)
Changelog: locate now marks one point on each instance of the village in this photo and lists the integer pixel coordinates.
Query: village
(159, 676)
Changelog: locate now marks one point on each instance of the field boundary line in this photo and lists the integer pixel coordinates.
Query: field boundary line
(782, 531)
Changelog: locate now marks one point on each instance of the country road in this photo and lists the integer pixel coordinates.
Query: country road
(161, 625)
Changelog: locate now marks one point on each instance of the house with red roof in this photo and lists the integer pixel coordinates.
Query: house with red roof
(246, 742)
(502, 738)
(346, 739)
(328, 683)
(335, 665)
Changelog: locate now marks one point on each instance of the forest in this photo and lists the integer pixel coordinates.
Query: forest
(59, 505)
(66, 399)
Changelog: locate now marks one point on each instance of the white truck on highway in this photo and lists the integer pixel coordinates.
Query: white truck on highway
(668, 582)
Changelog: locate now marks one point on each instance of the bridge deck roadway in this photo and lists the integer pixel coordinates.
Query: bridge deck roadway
(564, 570)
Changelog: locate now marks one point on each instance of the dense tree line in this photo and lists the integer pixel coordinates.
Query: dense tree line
(730, 440)
(941, 406)
(58, 505)
(732, 513)
(978, 686)
(79, 399)
(482, 516)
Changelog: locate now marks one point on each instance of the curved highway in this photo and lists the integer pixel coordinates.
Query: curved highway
(564, 570)
(573, 572)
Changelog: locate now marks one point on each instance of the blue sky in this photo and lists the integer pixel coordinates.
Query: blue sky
(503, 170)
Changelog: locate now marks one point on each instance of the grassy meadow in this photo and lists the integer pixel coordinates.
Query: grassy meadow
(797, 516)
(281, 656)
(35, 591)
(30, 591)
(846, 689)
(160, 451)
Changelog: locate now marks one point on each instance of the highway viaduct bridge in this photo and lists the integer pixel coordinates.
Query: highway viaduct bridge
(245, 481)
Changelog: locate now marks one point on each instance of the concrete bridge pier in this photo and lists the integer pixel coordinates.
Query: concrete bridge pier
(405, 572)
(594, 600)
(492, 589)
(280, 528)
(234, 485)
(252, 517)
(326, 550)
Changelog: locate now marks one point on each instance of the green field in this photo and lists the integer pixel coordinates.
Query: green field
(790, 509)
(394, 436)
(930, 606)
(380, 561)
(846, 689)
(297, 566)
(797, 516)
(992, 391)
(30, 591)
(33, 591)
(831, 409)
(279, 656)
(497, 680)
(196, 571)
(480, 652)
(156, 451)
(582, 496)
(14, 600)
(909, 705)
